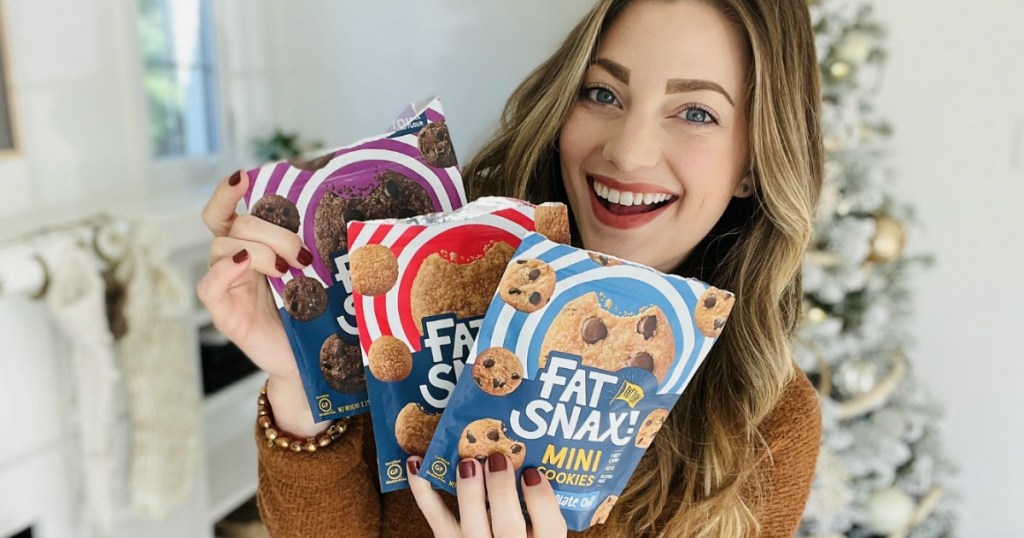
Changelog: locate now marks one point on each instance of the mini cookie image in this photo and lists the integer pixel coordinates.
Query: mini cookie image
(486, 436)
(342, 365)
(277, 210)
(304, 298)
(389, 359)
(313, 165)
(393, 196)
(527, 285)
(603, 510)
(649, 428)
(497, 371)
(552, 221)
(604, 340)
(374, 270)
(464, 289)
(436, 145)
(712, 311)
(601, 259)
(414, 429)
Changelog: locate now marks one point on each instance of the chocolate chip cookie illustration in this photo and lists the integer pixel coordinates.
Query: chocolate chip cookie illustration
(414, 429)
(527, 284)
(436, 145)
(712, 311)
(603, 260)
(497, 371)
(649, 427)
(374, 270)
(342, 365)
(487, 436)
(277, 210)
(610, 342)
(389, 359)
(552, 221)
(603, 510)
(392, 196)
(464, 289)
(304, 298)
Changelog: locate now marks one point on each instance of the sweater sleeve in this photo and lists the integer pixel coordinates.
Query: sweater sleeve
(793, 435)
(330, 492)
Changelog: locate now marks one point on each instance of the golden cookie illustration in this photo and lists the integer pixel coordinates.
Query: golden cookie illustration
(527, 284)
(649, 428)
(712, 311)
(487, 436)
(603, 260)
(552, 221)
(602, 512)
(414, 429)
(497, 371)
(464, 289)
(603, 340)
(389, 359)
(374, 270)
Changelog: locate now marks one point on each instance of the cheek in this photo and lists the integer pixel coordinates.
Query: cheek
(706, 170)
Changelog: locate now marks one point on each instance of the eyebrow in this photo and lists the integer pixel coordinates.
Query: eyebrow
(675, 85)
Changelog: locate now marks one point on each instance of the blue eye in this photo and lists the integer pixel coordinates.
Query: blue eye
(696, 115)
(600, 95)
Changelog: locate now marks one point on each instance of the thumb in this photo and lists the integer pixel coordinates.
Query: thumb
(213, 288)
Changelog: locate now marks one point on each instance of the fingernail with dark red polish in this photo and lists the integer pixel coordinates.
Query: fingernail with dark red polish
(414, 467)
(304, 257)
(467, 469)
(241, 256)
(531, 477)
(235, 178)
(496, 462)
(281, 265)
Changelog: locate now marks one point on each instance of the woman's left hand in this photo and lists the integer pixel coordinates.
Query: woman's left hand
(495, 483)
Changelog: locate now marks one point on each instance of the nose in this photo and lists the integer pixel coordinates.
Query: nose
(632, 144)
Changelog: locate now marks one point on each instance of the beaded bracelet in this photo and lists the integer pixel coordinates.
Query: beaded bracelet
(280, 439)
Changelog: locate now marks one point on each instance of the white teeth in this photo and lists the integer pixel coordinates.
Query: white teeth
(628, 198)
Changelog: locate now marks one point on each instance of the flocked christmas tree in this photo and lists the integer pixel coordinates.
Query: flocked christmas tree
(882, 470)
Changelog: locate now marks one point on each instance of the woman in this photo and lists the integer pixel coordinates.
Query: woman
(683, 135)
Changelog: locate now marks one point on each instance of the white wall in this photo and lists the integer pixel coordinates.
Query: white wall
(953, 92)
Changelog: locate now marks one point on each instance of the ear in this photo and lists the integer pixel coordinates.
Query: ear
(745, 189)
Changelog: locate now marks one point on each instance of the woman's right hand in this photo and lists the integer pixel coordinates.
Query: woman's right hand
(245, 250)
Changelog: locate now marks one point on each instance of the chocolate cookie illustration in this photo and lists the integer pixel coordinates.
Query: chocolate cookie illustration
(342, 365)
(486, 436)
(414, 429)
(603, 510)
(436, 145)
(552, 221)
(389, 359)
(464, 289)
(649, 428)
(374, 270)
(604, 340)
(497, 371)
(712, 311)
(304, 298)
(603, 260)
(393, 196)
(527, 284)
(277, 210)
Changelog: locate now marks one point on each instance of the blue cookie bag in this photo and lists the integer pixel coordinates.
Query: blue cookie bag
(576, 365)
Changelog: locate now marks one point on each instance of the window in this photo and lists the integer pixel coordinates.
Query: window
(6, 130)
(180, 77)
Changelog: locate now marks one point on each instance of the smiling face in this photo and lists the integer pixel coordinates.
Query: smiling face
(657, 143)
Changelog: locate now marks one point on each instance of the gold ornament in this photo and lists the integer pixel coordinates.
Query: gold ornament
(887, 243)
(839, 70)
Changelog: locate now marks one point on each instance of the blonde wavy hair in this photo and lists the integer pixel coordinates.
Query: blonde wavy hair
(701, 476)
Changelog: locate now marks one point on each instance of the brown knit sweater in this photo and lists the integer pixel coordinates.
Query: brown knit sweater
(334, 492)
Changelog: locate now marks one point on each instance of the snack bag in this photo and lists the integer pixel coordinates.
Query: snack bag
(421, 288)
(579, 386)
(411, 171)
